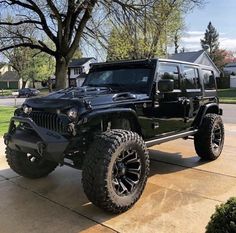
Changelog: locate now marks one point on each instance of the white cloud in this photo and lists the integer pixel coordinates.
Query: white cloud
(228, 43)
(191, 41)
(195, 33)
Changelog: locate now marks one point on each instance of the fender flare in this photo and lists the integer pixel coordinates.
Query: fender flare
(203, 111)
(129, 113)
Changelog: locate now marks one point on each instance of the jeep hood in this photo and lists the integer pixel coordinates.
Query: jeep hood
(79, 97)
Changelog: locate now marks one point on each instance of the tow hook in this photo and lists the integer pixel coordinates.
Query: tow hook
(41, 148)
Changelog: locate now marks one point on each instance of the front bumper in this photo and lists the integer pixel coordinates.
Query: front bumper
(30, 138)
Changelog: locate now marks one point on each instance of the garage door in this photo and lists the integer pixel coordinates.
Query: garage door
(3, 85)
(13, 85)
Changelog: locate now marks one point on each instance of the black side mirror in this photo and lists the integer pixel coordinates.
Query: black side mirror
(166, 85)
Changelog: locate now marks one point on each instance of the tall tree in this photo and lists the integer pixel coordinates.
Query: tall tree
(210, 42)
(64, 22)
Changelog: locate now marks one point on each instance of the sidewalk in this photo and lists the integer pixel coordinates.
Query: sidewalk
(180, 196)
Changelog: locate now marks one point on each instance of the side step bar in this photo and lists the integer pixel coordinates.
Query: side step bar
(170, 138)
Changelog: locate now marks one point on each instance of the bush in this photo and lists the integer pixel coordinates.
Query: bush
(224, 219)
(223, 82)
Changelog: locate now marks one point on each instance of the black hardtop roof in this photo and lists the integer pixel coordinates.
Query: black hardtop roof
(143, 61)
(123, 62)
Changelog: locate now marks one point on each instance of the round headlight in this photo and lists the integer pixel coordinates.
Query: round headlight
(72, 113)
(26, 109)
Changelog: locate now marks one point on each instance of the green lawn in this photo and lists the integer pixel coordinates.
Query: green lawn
(6, 92)
(227, 95)
(5, 115)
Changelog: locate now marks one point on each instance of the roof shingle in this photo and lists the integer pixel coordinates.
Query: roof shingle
(187, 56)
(9, 76)
(79, 62)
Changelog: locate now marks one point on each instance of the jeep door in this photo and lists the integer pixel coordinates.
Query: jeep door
(170, 110)
(192, 90)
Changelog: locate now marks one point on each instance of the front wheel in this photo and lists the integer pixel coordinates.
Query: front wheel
(115, 170)
(209, 140)
(28, 165)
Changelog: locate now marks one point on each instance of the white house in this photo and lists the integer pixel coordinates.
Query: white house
(78, 68)
(4, 67)
(199, 57)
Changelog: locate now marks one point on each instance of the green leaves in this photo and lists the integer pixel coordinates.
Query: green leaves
(224, 219)
(148, 35)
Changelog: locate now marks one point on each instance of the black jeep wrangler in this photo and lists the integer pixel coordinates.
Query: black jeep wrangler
(105, 126)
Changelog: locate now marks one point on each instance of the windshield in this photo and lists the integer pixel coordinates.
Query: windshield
(126, 79)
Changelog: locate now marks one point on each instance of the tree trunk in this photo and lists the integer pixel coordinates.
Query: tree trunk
(61, 73)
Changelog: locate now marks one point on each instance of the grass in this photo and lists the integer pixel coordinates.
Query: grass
(227, 96)
(5, 114)
(7, 92)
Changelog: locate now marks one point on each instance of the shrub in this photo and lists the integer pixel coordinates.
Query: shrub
(224, 219)
(223, 81)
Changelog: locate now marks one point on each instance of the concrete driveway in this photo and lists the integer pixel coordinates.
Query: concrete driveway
(180, 196)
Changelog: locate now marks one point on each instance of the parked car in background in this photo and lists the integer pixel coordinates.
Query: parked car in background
(26, 92)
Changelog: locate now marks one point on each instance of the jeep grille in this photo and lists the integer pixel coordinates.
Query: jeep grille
(51, 121)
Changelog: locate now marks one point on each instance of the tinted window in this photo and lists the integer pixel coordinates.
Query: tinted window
(191, 78)
(170, 71)
(209, 80)
(133, 79)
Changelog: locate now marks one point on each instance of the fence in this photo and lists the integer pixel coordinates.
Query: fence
(232, 81)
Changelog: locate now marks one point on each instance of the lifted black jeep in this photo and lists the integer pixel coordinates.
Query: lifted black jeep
(105, 127)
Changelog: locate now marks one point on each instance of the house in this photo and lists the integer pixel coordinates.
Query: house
(199, 57)
(230, 68)
(78, 68)
(9, 79)
(4, 67)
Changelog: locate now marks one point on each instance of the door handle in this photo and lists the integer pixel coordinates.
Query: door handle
(198, 98)
(184, 101)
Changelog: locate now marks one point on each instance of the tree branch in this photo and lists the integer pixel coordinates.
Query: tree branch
(28, 45)
(82, 24)
(20, 23)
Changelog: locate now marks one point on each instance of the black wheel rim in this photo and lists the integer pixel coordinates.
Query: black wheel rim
(217, 137)
(126, 172)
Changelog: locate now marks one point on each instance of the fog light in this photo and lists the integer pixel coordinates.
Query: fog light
(26, 109)
(72, 113)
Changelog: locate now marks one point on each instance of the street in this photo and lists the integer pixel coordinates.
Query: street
(229, 114)
(180, 196)
(8, 102)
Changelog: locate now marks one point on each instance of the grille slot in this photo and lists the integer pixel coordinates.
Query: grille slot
(50, 121)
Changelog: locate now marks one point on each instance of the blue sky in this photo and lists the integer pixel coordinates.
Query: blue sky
(222, 14)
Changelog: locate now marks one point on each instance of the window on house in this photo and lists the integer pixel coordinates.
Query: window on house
(77, 71)
(191, 78)
(209, 80)
(170, 71)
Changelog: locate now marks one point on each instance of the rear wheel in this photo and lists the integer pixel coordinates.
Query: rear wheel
(28, 165)
(115, 170)
(209, 140)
